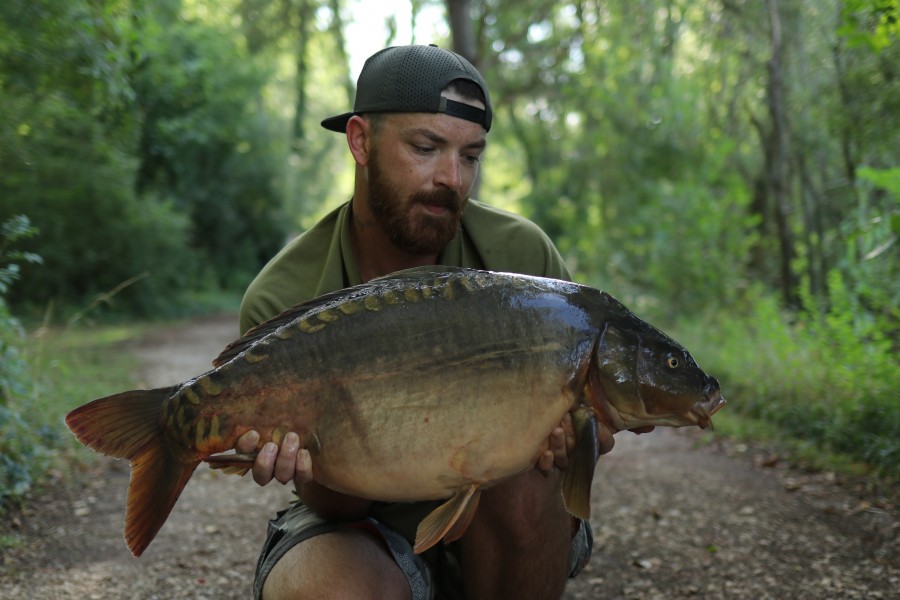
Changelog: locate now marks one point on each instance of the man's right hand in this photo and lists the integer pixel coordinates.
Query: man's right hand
(288, 463)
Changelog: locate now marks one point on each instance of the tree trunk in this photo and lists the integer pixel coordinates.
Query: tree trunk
(459, 16)
(305, 12)
(463, 34)
(778, 172)
(337, 30)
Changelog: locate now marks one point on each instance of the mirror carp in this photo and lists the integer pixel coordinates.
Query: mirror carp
(427, 384)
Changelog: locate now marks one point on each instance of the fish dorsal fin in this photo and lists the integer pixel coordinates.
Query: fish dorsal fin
(266, 328)
(579, 473)
(426, 271)
(450, 519)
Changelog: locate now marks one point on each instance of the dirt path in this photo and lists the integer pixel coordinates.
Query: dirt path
(673, 518)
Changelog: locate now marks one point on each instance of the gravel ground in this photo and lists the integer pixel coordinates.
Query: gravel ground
(677, 514)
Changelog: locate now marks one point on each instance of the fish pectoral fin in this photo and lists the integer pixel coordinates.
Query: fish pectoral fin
(233, 463)
(448, 521)
(467, 513)
(579, 474)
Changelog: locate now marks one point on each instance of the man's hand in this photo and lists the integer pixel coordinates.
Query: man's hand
(562, 441)
(288, 463)
(559, 444)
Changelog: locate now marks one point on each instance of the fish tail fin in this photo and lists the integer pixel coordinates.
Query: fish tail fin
(128, 425)
(579, 474)
(157, 479)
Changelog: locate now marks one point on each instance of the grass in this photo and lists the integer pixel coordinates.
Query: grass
(797, 451)
(74, 365)
(65, 368)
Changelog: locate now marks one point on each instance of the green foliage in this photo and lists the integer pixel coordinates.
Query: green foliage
(205, 145)
(830, 379)
(875, 23)
(22, 446)
(97, 234)
(129, 136)
(13, 370)
(43, 376)
(883, 228)
(24, 454)
(863, 372)
(686, 240)
(867, 278)
(65, 368)
(14, 375)
(15, 228)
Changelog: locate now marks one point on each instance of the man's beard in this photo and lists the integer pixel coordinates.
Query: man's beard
(419, 234)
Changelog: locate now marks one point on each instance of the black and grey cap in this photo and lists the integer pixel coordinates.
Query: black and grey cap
(410, 79)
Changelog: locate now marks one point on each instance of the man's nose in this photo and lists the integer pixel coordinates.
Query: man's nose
(448, 172)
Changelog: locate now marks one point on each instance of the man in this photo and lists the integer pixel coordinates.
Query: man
(416, 134)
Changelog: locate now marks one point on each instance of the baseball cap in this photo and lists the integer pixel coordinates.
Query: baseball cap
(410, 79)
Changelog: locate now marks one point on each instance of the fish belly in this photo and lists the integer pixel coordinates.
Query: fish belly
(415, 439)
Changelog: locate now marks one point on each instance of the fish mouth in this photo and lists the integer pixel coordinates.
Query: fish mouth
(714, 401)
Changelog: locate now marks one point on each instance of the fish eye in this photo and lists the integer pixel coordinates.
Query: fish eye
(672, 361)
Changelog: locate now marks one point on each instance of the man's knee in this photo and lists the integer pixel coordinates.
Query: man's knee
(527, 510)
(526, 497)
(344, 564)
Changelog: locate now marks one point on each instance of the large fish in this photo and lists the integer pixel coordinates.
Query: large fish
(427, 384)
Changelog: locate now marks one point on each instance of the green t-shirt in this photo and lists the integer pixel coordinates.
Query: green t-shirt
(321, 259)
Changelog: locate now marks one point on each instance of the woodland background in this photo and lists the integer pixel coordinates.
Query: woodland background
(728, 168)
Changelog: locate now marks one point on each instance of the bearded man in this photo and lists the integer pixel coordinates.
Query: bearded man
(416, 134)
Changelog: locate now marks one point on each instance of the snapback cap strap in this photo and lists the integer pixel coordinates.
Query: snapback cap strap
(462, 110)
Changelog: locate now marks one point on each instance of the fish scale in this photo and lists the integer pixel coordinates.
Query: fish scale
(428, 384)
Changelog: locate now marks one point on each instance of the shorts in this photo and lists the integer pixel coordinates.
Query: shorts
(298, 523)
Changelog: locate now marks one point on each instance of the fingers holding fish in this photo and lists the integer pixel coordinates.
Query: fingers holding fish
(605, 438)
(286, 459)
(264, 465)
(303, 472)
(288, 463)
(247, 443)
(560, 443)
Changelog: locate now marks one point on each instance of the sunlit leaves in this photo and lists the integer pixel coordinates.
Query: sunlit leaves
(874, 23)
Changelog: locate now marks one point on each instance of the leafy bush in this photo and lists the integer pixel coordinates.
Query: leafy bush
(24, 453)
(827, 378)
(13, 369)
(22, 446)
(132, 140)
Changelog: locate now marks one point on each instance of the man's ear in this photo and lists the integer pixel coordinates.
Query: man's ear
(359, 134)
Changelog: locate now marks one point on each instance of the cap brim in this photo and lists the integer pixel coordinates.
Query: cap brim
(337, 123)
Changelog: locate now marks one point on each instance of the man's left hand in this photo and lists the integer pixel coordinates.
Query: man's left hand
(562, 441)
